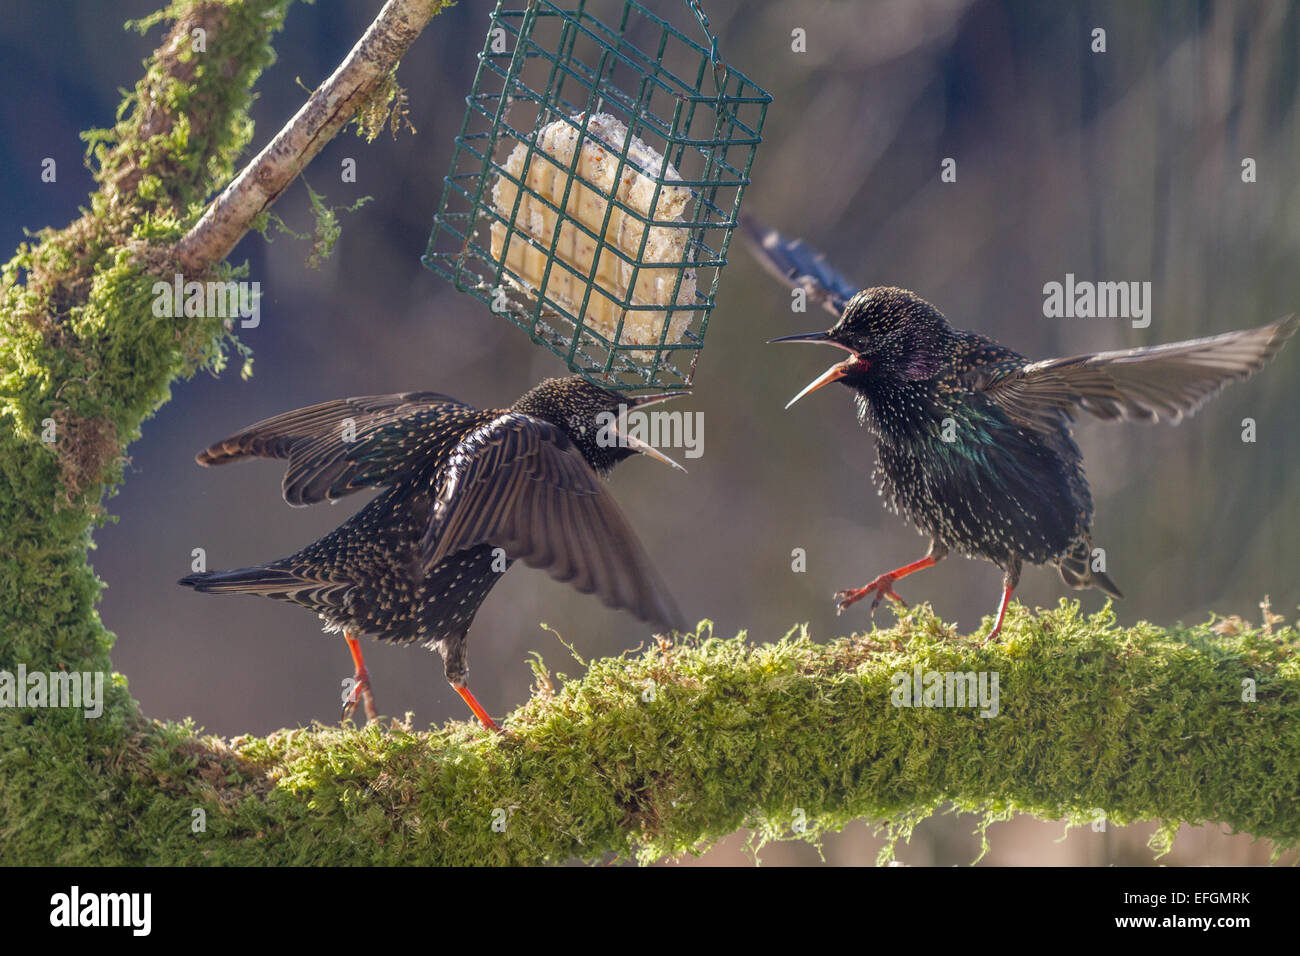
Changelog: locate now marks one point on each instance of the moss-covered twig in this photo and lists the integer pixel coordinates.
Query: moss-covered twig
(666, 750)
(366, 70)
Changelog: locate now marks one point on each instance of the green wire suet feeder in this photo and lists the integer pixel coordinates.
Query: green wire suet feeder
(595, 185)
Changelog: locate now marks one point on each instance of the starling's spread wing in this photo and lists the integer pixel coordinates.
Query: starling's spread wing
(336, 447)
(518, 483)
(1146, 384)
(799, 266)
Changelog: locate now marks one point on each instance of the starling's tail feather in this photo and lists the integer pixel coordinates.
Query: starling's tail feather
(1077, 570)
(280, 583)
(246, 580)
(799, 265)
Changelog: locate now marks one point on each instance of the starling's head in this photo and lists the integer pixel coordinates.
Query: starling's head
(594, 418)
(891, 335)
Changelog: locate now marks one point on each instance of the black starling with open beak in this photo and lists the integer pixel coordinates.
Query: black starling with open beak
(974, 440)
(467, 493)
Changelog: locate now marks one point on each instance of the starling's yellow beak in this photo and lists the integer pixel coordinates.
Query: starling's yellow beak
(641, 401)
(650, 451)
(832, 374)
(645, 448)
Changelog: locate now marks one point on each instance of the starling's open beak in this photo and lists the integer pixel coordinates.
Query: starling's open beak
(833, 374)
(644, 448)
(820, 338)
(641, 401)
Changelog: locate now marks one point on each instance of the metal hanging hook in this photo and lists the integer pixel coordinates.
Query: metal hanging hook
(719, 66)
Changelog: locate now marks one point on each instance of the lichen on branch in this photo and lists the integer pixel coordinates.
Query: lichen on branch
(362, 84)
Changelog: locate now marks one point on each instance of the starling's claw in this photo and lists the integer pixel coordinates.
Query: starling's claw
(1002, 613)
(882, 587)
(360, 684)
(360, 692)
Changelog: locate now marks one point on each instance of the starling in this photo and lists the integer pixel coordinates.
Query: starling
(466, 492)
(974, 441)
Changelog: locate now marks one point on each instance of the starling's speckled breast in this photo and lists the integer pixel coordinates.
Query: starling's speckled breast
(964, 473)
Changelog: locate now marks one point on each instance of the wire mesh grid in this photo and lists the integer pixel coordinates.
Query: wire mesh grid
(558, 214)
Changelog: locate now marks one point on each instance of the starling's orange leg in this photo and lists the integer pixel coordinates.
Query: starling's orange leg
(1009, 582)
(1002, 612)
(361, 683)
(883, 586)
(475, 706)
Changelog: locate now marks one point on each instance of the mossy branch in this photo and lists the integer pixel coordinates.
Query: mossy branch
(363, 75)
(85, 359)
(663, 751)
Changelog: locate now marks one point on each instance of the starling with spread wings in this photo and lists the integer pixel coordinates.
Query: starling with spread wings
(466, 492)
(974, 441)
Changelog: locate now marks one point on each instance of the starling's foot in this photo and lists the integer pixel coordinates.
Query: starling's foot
(882, 587)
(360, 683)
(360, 692)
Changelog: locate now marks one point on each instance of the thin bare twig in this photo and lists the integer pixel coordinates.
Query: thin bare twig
(333, 103)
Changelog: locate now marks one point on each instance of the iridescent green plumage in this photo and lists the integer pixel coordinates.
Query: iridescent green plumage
(974, 440)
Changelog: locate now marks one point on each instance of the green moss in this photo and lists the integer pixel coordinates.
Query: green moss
(326, 231)
(664, 752)
(387, 106)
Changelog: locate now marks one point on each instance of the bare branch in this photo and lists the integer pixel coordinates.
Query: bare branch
(333, 103)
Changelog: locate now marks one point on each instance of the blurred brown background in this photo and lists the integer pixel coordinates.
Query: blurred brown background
(1116, 166)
